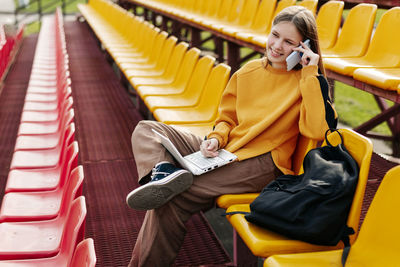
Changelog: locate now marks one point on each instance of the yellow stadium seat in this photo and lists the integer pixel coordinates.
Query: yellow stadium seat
(220, 16)
(115, 17)
(355, 34)
(201, 8)
(245, 19)
(178, 6)
(139, 53)
(191, 95)
(261, 22)
(161, 63)
(124, 31)
(232, 17)
(104, 28)
(207, 108)
(385, 78)
(212, 12)
(170, 72)
(264, 243)
(383, 51)
(145, 63)
(181, 80)
(261, 40)
(303, 145)
(328, 20)
(129, 42)
(310, 5)
(377, 243)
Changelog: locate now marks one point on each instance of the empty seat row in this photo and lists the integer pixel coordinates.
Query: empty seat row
(355, 49)
(42, 216)
(245, 20)
(177, 85)
(380, 65)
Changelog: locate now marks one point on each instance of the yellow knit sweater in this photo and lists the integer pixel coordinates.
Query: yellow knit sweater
(264, 109)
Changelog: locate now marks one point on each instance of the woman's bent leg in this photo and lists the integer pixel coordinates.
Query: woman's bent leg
(148, 151)
(163, 229)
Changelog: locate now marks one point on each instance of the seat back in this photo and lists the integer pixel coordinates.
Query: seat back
(213, 8)
(264, 15)
(328, 22)
(175, 60)
(186, 69)
(377, 243)
(122, 19)
(282, 4)
(157, 47)
(69, 161)
(196, 7)
(384, 49)
(213, 89)
(223, 12)
(84, 255)
(360, 148)
(150, 34)
(74, 225)
(310, 5)
(187, 5)
(204, 7)
(73, 188)
(248, 13)
(198, 78)
(234, 12)
(355, 34)
(115, 18)
(134, 28)
(165, 54)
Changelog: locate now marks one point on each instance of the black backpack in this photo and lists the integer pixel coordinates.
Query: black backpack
(313, 206)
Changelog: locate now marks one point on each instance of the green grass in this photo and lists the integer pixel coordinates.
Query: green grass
(49, 6)
(355, 107)
(33, 27)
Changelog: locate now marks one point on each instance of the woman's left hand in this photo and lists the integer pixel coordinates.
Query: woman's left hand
(309, 57)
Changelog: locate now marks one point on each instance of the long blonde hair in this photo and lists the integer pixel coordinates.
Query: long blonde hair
(305, 23)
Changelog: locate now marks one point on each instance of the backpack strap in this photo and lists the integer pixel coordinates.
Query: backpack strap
(346, 241)
(330, 113)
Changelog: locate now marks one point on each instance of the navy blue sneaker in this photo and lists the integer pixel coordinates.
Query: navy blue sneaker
(166, 182)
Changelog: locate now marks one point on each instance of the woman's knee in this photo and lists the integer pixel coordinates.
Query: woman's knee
(141, 129)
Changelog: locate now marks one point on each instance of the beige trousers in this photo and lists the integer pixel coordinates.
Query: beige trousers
(163, 229)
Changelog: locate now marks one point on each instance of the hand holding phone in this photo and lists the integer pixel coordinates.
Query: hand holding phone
(294, 58)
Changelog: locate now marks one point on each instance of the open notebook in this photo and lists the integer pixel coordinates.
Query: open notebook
(196, 163)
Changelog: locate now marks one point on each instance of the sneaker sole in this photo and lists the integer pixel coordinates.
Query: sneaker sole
(155, 194)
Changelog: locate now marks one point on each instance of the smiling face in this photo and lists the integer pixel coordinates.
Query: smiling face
(283, 38)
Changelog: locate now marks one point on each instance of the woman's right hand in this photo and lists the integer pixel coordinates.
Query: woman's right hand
(209, 148)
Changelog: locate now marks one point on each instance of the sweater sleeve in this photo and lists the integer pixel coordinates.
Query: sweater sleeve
(312, 111)
(227, 119)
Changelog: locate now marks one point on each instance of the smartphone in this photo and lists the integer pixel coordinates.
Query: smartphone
(294, 58)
